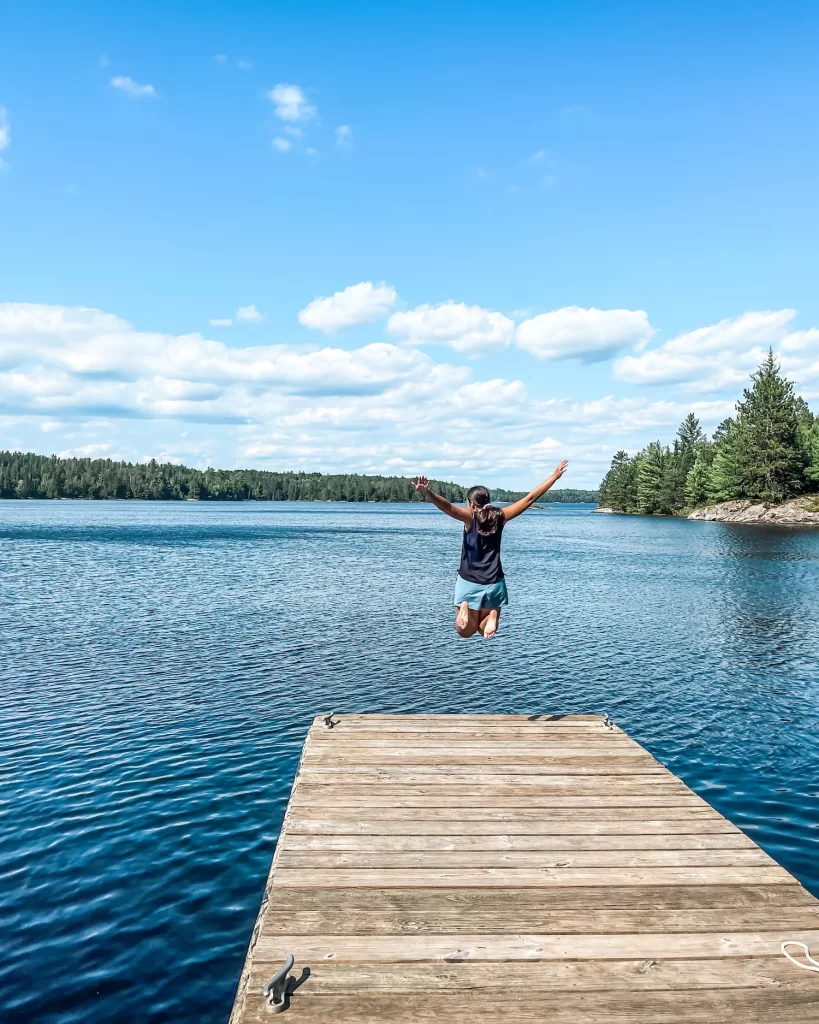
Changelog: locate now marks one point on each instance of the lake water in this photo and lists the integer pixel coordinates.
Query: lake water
(160, 665)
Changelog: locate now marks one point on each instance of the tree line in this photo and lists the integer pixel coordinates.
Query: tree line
(768, 451)
(26, 475)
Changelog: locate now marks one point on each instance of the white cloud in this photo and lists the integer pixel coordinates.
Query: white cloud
(249, 314)
(483, 175)
(344, 137)
(57, 359)
(469, 329)
(86, 451)
(711, 358)
(224, 321)
(72, 377)
(132, 88)
(244, 65)
(281, 144)
(586, 334)
(800, 343)
(296, 133)
(311, 152)
(620, 416)
(291, 103)
(103, 61)
(221, 58)
(360, 303)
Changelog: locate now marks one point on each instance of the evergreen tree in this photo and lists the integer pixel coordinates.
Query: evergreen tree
(619, 487)
(769, 452)
(809, 441)
(725, 478)
(650, 475)
(767, 438)
(672, 492)
(722, 431)
(697, 482)
(691, 437)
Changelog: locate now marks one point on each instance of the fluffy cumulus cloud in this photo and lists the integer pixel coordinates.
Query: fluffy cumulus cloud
(83, 380)
(721, 356)
(344, 137)
(55, 358)
(360, 303)
(471, 330)
(133, 89)
(291, 103)
(76, 376)
(586, 334)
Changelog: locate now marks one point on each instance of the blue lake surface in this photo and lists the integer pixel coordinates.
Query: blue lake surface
(160, 664)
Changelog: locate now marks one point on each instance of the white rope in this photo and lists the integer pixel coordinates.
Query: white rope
(793, 960)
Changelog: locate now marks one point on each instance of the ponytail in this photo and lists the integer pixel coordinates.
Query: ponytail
(489, 518)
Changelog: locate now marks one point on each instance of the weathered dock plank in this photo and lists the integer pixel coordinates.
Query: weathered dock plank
(529, 868)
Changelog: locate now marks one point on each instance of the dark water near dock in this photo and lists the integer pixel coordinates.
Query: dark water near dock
(160, 664)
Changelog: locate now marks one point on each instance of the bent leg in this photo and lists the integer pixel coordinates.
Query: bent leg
(469, 625)
(489, 621)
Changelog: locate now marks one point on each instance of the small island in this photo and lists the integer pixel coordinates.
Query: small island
(761, 466)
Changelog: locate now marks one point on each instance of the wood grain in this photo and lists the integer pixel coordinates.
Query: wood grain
(291, 841)
(437, 868)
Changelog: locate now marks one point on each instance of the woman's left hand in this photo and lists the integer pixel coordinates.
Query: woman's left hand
(421, 485)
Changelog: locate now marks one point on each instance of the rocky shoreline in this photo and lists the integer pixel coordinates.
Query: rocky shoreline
(802, 511)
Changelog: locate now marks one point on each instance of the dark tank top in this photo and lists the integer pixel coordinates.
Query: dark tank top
(480, 556)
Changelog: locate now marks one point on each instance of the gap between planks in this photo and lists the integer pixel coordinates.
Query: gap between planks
(454, 856)
(459, 947)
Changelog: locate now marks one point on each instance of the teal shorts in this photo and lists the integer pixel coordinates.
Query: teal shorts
(480, 595)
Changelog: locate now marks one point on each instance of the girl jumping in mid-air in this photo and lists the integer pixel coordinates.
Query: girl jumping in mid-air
(480, 589)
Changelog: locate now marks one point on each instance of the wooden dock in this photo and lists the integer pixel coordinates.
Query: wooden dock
(460, 868)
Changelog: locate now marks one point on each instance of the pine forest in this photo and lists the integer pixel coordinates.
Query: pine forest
(768, 452)
(25, 475)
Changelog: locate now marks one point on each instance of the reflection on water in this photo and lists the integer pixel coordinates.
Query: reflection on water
(161, 663)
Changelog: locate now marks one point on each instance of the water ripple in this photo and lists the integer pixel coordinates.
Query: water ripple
(161, 663)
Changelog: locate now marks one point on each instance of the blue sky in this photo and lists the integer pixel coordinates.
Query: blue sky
(561, 227)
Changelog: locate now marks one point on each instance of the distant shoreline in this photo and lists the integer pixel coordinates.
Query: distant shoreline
(285, 501)
(28, 475)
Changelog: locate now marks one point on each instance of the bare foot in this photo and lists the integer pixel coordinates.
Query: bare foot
(490, 626)
(462, 618)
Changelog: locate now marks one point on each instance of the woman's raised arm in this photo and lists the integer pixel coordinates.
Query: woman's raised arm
(515, 509)
(464, 515)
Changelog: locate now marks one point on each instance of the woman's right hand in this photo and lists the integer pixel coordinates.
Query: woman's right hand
(421, 485)
(561, 469)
